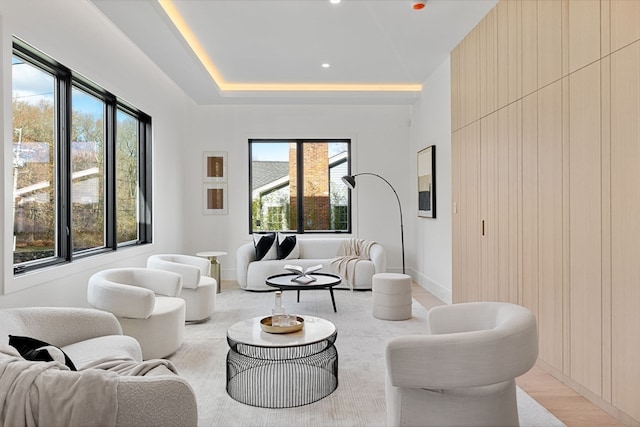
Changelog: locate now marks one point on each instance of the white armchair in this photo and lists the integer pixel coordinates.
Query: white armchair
(461, 373)
(161, 398)
(198, 289)
(146, 304)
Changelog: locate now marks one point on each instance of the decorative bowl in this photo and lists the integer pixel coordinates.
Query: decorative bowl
(265, 324)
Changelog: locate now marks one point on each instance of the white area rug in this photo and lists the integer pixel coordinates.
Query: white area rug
(359, 399)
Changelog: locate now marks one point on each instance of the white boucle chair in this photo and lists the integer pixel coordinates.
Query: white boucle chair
(146, 304)
(198, 289)
(462, 371)
(160, 398)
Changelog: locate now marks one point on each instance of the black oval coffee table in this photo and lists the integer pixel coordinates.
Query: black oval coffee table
(284, 282)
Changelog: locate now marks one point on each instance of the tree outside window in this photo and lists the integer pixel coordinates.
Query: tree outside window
(81, 165)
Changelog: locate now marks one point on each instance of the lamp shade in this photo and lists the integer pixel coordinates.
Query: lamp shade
(349, 181)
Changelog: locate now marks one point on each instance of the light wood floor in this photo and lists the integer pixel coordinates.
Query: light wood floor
(567, 405)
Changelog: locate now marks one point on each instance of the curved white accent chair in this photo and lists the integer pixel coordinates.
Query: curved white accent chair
(90, 337)
(198, 289)
(462, 371)
(147, 305)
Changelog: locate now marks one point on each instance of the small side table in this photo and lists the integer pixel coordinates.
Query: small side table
(215, 265)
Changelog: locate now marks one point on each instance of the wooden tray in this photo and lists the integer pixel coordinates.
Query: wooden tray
(265, 324)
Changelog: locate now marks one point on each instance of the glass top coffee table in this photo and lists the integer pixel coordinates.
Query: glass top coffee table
(323, 281)
(281, 370)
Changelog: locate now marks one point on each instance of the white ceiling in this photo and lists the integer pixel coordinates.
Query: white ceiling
(272, 50)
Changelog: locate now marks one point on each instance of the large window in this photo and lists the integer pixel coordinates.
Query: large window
(296, 185)
(81, 161)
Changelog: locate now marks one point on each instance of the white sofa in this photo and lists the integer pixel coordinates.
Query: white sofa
(91, 338)
(251, 274)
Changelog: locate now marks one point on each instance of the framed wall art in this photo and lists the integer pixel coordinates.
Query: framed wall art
(427, 182)
(214, 199)
(214, 167)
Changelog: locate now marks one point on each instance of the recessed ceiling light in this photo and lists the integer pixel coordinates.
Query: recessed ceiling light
(326, 65)
(334, 1)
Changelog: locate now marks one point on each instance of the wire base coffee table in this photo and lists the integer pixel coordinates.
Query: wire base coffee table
(281, 370)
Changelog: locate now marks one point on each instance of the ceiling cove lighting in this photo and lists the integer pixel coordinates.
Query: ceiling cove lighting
(171, 10)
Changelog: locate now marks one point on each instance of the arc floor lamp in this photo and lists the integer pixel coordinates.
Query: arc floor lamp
(350, 181)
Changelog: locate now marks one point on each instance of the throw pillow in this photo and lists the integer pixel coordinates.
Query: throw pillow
(266, 246)
(36, 350)
(288, 247)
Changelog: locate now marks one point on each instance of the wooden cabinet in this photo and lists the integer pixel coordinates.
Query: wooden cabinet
(508, 152)
(502, 38)
(585, 227)
(529, 224)
(625, 228)
(550, 257)
(546, 184)
(508, 16)
(488, 77)
(455, 89)
(529, 46)
(469, 83)
(549, 30)
(489, 199)
(466, 209)
(584, 33)
(486, 157)
(624, 18)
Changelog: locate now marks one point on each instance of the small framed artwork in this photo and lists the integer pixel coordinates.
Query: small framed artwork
(214, 166)
(214, 199)
(427, 182)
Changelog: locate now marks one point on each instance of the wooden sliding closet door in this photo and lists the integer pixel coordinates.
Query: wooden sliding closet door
(466, 213)
(508, 189)
(625, 15)
(489, 199)
(550, 223)
(546, 182)
(549, 14)
(500, 180)
(625, 228)
(585, 228)
(529, 216)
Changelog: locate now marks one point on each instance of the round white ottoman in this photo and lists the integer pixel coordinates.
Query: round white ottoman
(392, 296)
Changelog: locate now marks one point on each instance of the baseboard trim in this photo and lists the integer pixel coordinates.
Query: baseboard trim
(436, 289)
(621, 416)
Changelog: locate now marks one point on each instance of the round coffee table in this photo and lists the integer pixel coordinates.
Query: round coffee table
(281, 370)
(323, 281)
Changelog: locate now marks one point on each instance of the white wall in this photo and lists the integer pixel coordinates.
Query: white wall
(431, 125)
(380, 144)
(79, 36)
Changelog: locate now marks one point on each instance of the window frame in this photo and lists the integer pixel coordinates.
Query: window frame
(300, 187)
(65, 80)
